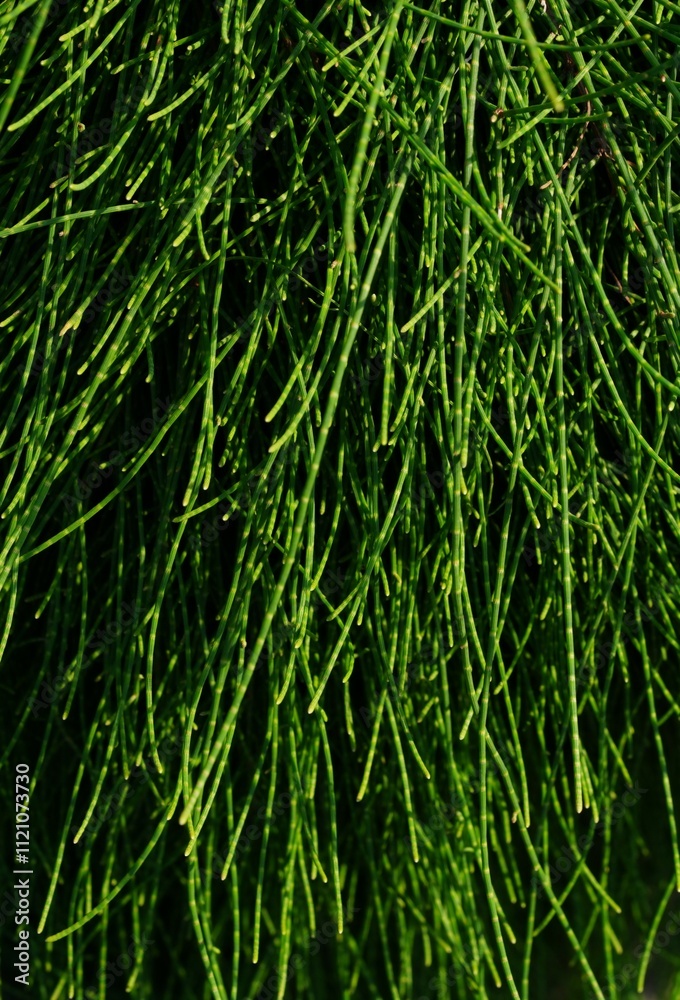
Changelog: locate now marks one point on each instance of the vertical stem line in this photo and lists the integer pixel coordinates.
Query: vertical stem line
(564, 505)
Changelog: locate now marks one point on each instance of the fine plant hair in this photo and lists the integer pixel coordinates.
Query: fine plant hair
(339, 501)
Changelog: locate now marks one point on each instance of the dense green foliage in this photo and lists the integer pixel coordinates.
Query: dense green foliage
(339, 556)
